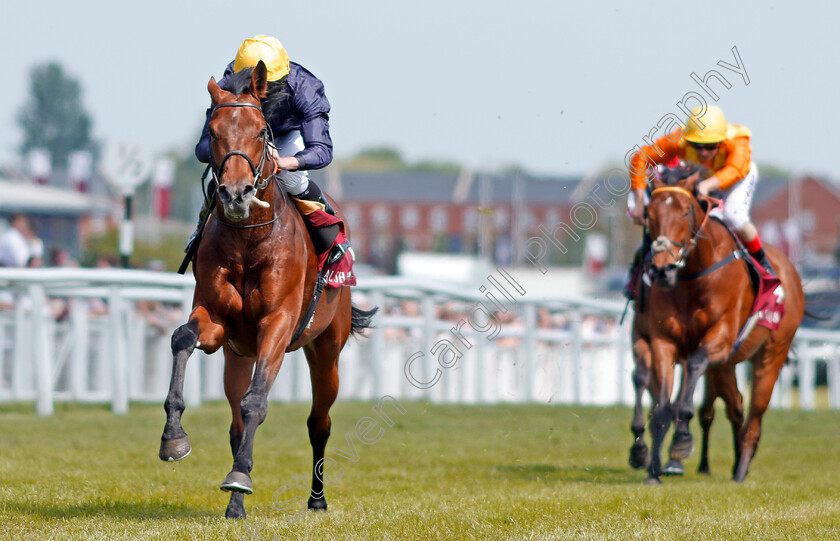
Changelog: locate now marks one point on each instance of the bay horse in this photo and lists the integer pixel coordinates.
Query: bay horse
(255, 273)
(700, 301)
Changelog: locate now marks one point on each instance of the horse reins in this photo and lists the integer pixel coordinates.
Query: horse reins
(260, 183)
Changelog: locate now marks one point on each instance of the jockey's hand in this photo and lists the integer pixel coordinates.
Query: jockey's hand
(710, 184)
(287, 163)
(638, 213)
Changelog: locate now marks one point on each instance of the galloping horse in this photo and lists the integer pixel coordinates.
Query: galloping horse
(700, 301)
(255, 274)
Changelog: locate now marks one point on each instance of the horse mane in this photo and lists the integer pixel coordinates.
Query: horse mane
(275, 104)
(674, 174)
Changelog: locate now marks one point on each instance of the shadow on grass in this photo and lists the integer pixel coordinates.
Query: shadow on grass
(572, 474)
(118, 510)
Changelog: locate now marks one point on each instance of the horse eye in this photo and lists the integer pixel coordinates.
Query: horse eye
(212, 134)
(263, 133)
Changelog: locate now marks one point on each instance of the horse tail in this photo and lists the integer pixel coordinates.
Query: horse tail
(361, 319)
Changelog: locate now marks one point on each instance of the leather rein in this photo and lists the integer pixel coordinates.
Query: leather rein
(260, 182)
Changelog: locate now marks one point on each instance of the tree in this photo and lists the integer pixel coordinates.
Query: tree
(54, 117)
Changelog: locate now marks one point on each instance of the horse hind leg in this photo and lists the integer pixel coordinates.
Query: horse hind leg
(764, 379)
(322, 357)
(174, 443)
(707, 416)
(727, 388)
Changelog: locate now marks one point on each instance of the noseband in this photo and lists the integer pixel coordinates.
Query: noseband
(256, 170)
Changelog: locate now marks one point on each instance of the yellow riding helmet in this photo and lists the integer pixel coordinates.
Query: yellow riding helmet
(267, 49)
(714, 122)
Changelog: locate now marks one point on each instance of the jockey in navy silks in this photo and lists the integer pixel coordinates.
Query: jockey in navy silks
(298, 118)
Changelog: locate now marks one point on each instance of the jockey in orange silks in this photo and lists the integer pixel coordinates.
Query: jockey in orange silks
(724, 150)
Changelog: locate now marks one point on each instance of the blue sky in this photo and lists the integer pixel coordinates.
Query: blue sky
(561, 88)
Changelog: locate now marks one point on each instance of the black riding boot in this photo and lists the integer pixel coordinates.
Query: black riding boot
(761, 257)
(322, 236)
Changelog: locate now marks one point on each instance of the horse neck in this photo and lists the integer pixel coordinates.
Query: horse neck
(714, 242)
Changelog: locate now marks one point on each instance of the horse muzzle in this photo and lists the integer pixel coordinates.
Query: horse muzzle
(666, 276)
(237, 202)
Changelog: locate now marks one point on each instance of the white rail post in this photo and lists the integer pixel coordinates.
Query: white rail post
(427, 310)
(117, 331)
(80, 360)
(805, 369)
(625, 369)
(833, 368)
(377, 346)
(21, 373)
(192, 374)
(43, 360)
(528, 352)
(577, 353)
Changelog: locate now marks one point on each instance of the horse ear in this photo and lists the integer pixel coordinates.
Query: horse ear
(215, 90)
(259, 80)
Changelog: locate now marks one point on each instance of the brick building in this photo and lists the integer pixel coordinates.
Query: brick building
(465, 213)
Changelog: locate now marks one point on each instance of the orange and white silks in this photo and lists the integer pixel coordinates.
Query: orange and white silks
(731, 163)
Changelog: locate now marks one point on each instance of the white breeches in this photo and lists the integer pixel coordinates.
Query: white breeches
(737, 200)
(289, 144)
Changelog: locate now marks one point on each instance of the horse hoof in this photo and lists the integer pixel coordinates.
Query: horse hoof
(673, 467)
(639, 457)
(653, 481)
(317, 504)
(237, 482)
(681, 448)
(175, 449)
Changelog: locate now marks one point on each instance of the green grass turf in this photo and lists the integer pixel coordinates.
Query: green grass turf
(441, 472)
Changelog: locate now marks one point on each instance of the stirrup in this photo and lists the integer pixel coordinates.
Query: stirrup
(338, 251)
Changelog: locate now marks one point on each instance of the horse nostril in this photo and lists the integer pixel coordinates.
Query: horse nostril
(223, 193)
(248, 189)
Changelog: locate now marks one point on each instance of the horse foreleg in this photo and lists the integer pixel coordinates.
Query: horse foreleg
(764, 379)
(683, 446)
(664, 354)
(253, 406)
(174, 443)
(237, 378)
(639, 454)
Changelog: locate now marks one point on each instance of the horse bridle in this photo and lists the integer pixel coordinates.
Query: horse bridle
(663, 243)
(260, 183)
(256, 170)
